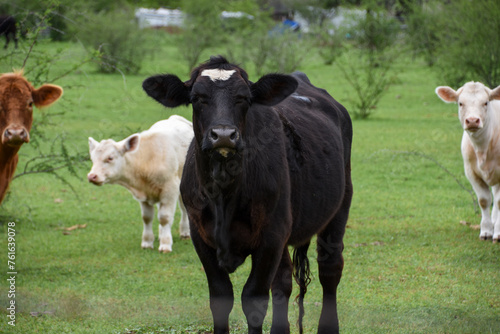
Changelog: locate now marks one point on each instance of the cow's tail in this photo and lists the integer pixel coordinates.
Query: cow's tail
(302, 275)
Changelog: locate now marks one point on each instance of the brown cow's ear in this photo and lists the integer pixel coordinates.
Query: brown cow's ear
(46, 95)
(447, 94)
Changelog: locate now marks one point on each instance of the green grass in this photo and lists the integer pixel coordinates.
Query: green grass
(410, 267)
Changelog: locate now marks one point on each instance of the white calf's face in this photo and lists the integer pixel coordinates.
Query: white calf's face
(473, 101)
(108, 159)
(473, 106)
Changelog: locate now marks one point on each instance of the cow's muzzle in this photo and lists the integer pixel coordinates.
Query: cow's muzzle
(15, 136)
(223, 139)
(473, 124)
(94, 178)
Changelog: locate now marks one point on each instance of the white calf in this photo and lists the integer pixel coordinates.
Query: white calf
(479, 113)
(149, 164)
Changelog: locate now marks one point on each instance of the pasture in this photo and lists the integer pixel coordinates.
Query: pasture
(410, 266)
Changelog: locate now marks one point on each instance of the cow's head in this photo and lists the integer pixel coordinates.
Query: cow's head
(17, 97)
(108, 159)
(473, 102)
(221, 95)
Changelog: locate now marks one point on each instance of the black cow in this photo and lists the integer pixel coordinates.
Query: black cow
(8, 27)
(269, 167)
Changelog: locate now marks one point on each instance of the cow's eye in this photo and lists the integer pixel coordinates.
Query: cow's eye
(460, 104)
(109, 159)
(486, 103)
(199, 99)
(30, 104)
(240, 99)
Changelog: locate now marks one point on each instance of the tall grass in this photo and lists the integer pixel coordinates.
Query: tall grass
(410, 267)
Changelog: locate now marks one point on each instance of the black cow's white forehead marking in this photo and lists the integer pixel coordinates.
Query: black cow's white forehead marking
(218, 74)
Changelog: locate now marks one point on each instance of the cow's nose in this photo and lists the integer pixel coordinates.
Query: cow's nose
(16, 136)
(472, 122)
(92, 177)
(224, 137)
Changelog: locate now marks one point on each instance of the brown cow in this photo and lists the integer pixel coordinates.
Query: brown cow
(17, 97)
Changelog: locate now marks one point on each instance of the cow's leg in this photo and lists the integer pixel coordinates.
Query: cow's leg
(166, 213)
(484, 199)
(148, 237)
(184, 224)
(219, 284)
(255, 295)
(7, 40)
(331, 262)
(281, 289)
(496, 214)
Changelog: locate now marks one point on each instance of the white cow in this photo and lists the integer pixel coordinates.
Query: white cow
(149, 164)
(479, 113)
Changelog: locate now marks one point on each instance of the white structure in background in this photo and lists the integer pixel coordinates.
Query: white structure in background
(162, 17)
(159, 17)
(235, 15)
(336, 18)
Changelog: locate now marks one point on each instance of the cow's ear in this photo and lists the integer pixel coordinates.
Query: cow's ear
(167, 89)
(92, 144)
(46, 95)
(271, 89)
(131, 143)
(495, 94)
(447, 94)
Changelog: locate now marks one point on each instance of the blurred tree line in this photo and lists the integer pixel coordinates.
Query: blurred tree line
(458, 38)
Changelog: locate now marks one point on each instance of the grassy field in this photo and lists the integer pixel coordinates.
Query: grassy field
(410, 266)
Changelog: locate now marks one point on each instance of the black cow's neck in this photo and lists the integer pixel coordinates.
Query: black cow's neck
(221, 179)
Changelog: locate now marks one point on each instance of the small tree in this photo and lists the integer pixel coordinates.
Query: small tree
(202, 29)
(117, 37)
(369, 76)
(368, 67)
(423, 21)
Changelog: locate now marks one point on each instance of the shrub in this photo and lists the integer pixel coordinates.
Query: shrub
(469, 46)
(117, 37)
(370, 76)
(330, 43)
(421, 34)
(460, 37)
(368, 67)
(202, 29)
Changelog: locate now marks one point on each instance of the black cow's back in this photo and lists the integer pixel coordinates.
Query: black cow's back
(318, 131)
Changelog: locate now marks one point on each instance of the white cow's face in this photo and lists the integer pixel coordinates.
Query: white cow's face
(473, 106)
(473, 101)
(108, 159)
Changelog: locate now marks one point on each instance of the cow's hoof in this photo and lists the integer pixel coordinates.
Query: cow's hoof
(147, 245)
(485, 236)
(165, 249)
(496, 240)
(185, 237)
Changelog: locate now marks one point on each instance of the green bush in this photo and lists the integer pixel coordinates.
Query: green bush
(470, 43)
(369, 75)
(460, 37)
(368, 64)
(422, 28)
(202, 29)
(118, 39)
